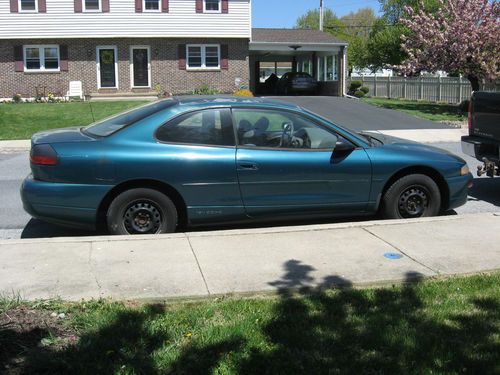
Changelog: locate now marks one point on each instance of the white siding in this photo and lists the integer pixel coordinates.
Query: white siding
(61, 21)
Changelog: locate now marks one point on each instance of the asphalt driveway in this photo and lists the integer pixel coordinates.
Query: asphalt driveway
(357, 115)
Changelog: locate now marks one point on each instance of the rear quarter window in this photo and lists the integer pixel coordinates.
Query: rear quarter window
(211, 127)
(110, 125)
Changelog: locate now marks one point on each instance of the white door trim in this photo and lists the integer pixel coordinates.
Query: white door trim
(98, 67)
(148, 48)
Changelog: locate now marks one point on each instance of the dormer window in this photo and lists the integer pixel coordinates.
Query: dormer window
(28, 5)
(212, 6)
(151, 5)
(92, 5)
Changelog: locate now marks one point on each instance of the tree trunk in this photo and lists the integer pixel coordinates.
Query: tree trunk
(474, 81)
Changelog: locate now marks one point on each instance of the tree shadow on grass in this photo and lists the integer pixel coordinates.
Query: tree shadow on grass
(384, 331)
(310, 330)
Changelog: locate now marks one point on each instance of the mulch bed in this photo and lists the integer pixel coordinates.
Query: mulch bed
(25, 332)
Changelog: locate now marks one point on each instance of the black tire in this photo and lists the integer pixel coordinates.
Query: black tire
(141, 211)
(411, 196)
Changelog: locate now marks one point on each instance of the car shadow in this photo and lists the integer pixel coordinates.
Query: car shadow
(41, 229)
(282, 223)
(487, 190)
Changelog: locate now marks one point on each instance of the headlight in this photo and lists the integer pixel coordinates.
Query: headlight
(464, 170)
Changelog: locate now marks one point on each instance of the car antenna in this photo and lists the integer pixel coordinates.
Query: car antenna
(91, 110)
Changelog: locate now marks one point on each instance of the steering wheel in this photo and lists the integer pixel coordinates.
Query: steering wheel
(287, 134)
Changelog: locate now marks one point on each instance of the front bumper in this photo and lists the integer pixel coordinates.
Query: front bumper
(73, 205)
(459, 190)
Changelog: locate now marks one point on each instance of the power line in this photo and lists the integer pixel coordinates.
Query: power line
(348, 3)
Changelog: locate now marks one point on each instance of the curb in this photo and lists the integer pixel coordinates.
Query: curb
(15, 146)
(243, 232)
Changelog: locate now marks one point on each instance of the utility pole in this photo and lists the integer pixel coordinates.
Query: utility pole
(321, 15)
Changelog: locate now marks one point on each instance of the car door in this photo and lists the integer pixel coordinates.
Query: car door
(287, 164)
(199, 149)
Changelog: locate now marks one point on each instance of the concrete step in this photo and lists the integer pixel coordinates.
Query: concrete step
(143, 95)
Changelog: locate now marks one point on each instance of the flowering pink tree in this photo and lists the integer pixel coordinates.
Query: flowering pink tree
(463, 36)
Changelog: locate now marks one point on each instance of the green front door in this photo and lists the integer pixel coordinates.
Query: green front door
(107, 67)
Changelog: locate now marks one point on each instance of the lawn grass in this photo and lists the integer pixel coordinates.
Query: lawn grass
(423, 109)
(21, 121)
(440, 327)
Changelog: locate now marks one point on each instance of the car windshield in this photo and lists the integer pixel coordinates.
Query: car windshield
(372, 140)
(110, 125)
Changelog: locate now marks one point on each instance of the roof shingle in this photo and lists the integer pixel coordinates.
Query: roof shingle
(312, 36)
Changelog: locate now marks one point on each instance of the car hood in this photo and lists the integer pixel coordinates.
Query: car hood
(411, 146)
(64, 135)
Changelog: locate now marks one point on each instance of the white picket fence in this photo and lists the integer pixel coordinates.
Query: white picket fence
(435, 89)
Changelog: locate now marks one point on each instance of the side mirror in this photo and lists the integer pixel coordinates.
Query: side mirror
(344, 147)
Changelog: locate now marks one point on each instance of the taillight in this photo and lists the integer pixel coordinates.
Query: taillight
(471, 108)
(43, 155)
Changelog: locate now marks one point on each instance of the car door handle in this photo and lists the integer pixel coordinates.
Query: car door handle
(247, 166)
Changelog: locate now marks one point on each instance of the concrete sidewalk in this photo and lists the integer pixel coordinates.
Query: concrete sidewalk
(15, 145)
(252, 260)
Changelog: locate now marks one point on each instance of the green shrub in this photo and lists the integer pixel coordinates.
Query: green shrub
(205, 90)
(17, 98)
(359, 94)
(365, 89)
(355, 85)
(243, 92)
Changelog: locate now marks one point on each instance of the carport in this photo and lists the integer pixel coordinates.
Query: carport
(312, 51)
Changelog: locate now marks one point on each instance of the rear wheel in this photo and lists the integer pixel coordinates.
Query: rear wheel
(141, 211)
(412, 196)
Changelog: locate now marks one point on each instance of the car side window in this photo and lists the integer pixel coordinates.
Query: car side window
(210, 127)
(281, 130)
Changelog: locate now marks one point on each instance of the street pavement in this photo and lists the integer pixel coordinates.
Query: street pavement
(201, 264)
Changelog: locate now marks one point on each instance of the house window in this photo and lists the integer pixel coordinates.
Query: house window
(328, 68)
(151, 5)
(41, 58)
(92, 5)
(306, 66)
(321, 68)
(203, 56)
(212, 6)
(28, 5)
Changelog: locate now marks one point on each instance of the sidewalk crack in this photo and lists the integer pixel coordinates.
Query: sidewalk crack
(198, 264)
(401, 251)
(92, 271)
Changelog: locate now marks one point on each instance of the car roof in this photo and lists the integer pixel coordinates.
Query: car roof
(199, 101)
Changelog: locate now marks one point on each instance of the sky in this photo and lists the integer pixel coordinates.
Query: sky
(284, 13)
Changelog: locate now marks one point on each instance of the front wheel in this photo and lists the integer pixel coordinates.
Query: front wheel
(412, 196)
(141, 211)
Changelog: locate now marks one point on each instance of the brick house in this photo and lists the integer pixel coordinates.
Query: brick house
(129, 47)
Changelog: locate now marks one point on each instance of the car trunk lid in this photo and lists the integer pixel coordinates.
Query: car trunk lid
(64, 135)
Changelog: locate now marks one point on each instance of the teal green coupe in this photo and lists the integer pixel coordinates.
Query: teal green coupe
(210, 160)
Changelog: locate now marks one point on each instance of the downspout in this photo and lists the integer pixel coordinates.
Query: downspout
(344, 73)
